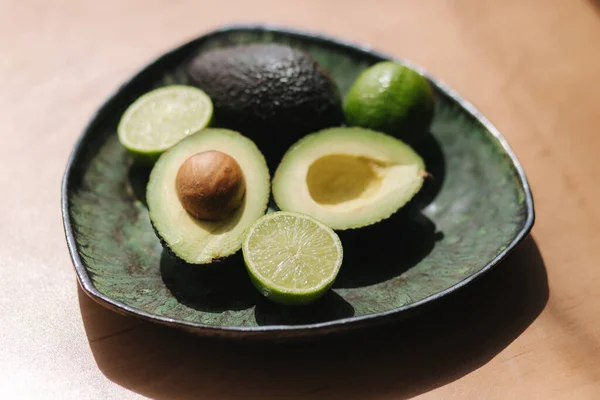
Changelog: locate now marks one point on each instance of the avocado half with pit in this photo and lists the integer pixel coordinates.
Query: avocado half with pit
(200, 241)
(348, 177)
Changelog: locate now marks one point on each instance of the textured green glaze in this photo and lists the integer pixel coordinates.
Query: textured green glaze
(467, 214)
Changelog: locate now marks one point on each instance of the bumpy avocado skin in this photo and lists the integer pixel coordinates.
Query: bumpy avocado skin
(272, 93)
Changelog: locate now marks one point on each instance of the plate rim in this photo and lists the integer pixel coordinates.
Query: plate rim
(89, 289)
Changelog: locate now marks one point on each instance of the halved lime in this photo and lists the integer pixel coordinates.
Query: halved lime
(159, 119)
(292, 258)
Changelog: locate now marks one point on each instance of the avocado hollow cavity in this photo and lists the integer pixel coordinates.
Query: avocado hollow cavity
(338, 178)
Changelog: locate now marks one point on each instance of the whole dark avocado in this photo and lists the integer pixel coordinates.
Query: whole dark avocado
(272, 93)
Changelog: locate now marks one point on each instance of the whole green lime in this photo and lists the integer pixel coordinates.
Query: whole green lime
(391, 98)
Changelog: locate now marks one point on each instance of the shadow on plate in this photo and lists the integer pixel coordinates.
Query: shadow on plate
(435, 163)
(216, 287)
(436, 347)
(330, 307)
(138, 180)
(225, 286)
(371, 254)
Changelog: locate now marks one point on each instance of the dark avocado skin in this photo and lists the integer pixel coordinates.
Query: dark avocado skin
(271, 93)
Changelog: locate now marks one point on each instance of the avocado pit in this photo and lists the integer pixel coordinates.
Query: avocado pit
(210, 185)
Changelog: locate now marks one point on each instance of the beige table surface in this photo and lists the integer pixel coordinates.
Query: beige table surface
(529, 330)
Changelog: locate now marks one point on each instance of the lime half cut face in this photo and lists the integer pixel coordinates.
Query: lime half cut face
(292, 258)
(161, 118)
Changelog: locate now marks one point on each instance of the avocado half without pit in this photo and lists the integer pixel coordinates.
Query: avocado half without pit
(204, 193)
(348, 177)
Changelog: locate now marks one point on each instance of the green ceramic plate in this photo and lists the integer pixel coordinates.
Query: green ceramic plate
(476, 208)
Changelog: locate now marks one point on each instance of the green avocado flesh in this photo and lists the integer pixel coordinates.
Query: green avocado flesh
(271, 93)
(348, 177)
(196, 241)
